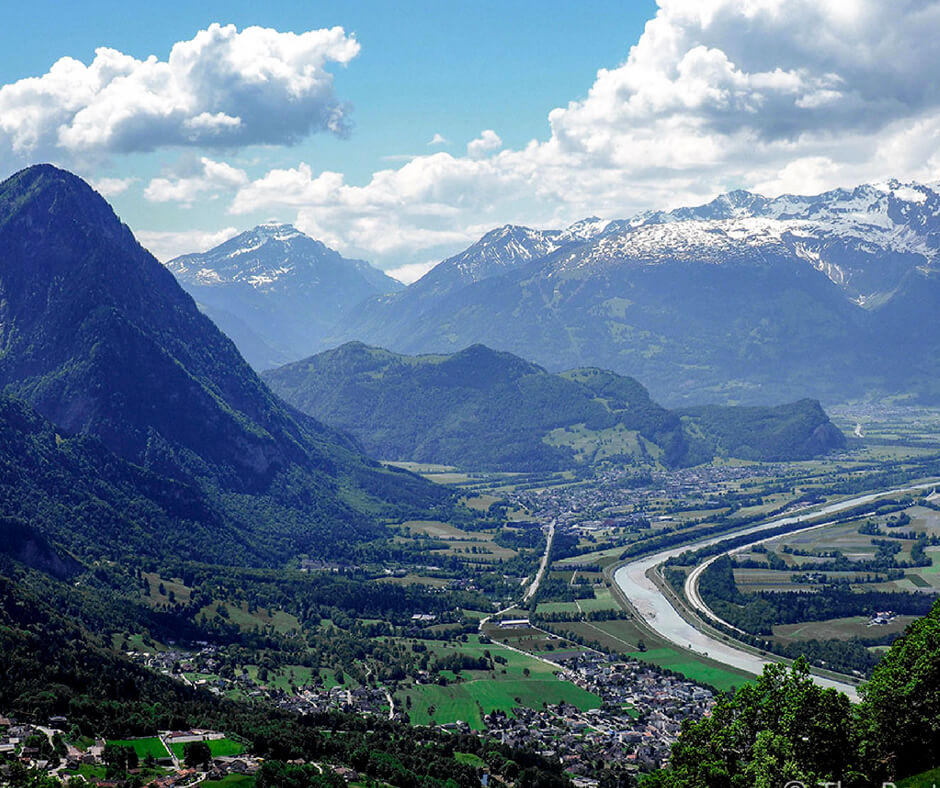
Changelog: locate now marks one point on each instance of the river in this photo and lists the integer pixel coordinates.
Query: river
(659, 614)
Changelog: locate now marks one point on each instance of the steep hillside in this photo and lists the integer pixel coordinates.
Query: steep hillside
(745, 299)
(276, 291)
(100, 339)
(795, 431)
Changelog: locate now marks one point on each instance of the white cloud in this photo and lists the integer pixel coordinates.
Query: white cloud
(796, 96)
(222, 88)
(411, 272)
(110, 187)
(167, 245)
(438, 139)
(487, 142)
(211, 176)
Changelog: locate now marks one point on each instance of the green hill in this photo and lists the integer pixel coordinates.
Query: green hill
(155, 404)
(484, 409)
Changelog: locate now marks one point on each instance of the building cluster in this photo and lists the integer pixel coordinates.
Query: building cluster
(611, 495)
(639, 720)
(88, 765)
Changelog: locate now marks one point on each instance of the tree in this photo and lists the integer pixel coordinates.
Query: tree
(900, 715)
(196, 753)
(780, 729)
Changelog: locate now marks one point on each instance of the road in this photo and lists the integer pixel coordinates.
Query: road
(691, 581)
(660, 616)
(543, 565)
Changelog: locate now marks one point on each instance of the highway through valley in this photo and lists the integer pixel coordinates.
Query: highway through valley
(659, 615)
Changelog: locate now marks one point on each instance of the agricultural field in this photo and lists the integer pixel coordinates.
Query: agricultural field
(231, 781)
(623, 636)
(285, 677)
(599, 558)
(163, 590)
(220, 748)
(839, 629)
(473, 546)
(143, 747)
(480, 503)
(247, 618)
(415, 579)
(803, 553)
(522, 680)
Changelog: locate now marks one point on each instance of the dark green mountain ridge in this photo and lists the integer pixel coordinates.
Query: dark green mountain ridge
(98, 338)
(485, 409)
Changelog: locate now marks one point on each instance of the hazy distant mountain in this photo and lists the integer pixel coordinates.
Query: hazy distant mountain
(276, 291)
(483, 409)
(743, 299)
(101, 340)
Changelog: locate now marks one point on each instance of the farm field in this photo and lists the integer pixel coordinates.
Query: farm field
(413, 579)
(713, 674)
(599, 558)
(476, 546)
(246, 619)
(470, 700)
(220, 748)
(232, 781)
(623, 636)
(839, 629)
(527, 681)
(143, 747)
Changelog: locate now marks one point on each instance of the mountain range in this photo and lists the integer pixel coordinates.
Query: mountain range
(483, 409)
(276, 292)
(120, 382)
(744, 299)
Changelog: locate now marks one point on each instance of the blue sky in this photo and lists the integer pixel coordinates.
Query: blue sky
(424, 68)
(716, 94)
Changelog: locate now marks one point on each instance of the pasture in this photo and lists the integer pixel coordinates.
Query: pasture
(143, 747)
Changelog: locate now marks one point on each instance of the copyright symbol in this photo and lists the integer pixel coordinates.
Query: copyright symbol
(794, 784)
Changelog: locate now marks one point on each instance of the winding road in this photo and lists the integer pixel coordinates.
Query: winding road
(659, 615)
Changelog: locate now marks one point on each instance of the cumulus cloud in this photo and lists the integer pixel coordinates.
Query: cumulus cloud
(111, 187)
(793, 96)
(411, 272)
(487, 142)
(210, 176)
(222, 88)
(167, 245)
(438, 139)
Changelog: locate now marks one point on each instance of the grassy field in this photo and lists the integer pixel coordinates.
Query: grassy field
(599, 558)
(143, 747)
(480, 503)
(924, 780)
(839, 629)
(471, 759)
(473, 546)
(481, 691)
(181, 593)
(282, 622)
(220, 748)
(282, 678)
(470, 700)
(595, 445)
(674, 659)
(232, 781)
(413, 579)
(419, 467)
